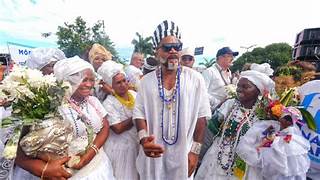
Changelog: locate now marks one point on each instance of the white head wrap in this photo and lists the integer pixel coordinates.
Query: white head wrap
(263, 68)
(41, 57)
(263, 82)
(109, 69)
(70, 69)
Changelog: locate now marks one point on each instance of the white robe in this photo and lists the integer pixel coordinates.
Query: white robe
(99, 168)
(281, 161)
(122, 149)
(194, 103)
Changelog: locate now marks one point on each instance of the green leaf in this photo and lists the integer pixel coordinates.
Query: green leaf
(309, 119)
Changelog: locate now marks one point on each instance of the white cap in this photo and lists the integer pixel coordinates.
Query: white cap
(187, 51)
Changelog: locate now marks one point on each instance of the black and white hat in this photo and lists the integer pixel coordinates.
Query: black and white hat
(166, 28)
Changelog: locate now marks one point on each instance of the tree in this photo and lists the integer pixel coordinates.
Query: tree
(76, 39)
(208, 62)
(275, 54)
(143, 45)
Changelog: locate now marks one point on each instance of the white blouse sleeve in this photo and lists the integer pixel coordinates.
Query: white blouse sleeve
(113, 115)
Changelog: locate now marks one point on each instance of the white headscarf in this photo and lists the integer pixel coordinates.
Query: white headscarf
(263, 68)
(263, 82)
(109, 69)
(71, 69)
(40, 57)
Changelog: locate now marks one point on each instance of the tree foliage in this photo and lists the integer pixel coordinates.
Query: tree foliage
(276, 54)
(143, 45)
(77, 38)
(208, 62)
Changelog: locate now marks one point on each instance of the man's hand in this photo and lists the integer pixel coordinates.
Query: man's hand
(192, 162)
(150, 148)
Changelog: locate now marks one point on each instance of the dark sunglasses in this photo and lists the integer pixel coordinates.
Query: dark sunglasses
(187, 58)
(169, 46)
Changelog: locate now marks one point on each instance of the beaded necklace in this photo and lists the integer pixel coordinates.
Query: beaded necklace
(81, 115)
(170, 101)
(128, 103)
(232, 130)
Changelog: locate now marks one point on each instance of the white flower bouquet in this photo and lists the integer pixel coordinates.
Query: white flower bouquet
(34, 97)
(231, 90)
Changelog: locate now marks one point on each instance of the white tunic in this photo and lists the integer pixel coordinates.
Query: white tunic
(192, 104)
(99, 167)
(122, 149)
(216, 83)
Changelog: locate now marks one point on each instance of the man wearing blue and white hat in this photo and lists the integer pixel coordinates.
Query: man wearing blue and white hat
(170, 112)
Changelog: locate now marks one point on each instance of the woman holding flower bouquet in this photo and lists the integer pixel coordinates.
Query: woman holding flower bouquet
(90, 131)
(221, 161)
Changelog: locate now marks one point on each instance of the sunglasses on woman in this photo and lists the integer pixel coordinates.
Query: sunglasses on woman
(167, 47)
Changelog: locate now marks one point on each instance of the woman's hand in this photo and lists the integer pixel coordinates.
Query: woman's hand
(56, 170)
(85, 159)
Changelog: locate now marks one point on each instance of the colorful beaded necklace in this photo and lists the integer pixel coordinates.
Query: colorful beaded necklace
(235, 126)
(174, 113)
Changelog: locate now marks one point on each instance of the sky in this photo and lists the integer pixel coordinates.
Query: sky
(209, 23)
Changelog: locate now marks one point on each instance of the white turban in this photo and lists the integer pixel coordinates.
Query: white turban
(109, 69)
(263, 68)
(40, 57)
(262, 81)
(70, 69)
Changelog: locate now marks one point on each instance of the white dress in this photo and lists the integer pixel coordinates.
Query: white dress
(211, 167)
(99, 167)
(280, 161)
(122, 149)
(191, 104)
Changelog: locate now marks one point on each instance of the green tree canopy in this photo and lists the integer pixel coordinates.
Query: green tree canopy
(77, 38)
(143, 45)
(276, 54)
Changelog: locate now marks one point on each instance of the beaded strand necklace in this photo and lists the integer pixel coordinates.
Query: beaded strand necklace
(173, 123)
(232, 130)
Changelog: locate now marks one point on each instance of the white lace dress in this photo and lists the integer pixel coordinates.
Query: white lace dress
(122, 149)
(99, 167)
(282, 160)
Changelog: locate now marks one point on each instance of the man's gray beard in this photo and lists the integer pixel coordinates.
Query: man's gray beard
(169, 66)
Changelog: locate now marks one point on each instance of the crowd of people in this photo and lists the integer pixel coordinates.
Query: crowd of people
(149, 119)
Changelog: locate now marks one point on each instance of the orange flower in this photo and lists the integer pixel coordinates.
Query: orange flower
(277, 110)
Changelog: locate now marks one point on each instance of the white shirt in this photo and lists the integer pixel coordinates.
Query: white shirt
(192, 104)
(215, 83)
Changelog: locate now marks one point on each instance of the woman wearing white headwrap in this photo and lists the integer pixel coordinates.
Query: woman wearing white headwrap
(221, 161)
(122, 145)
(44, 59)
(86, 114)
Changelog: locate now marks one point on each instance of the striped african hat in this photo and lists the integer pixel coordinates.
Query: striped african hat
(166, 28)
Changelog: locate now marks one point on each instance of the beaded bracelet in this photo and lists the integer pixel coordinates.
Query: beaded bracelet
(43, 170)
(95, 148)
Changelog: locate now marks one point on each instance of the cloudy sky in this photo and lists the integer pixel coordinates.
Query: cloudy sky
(209, 23)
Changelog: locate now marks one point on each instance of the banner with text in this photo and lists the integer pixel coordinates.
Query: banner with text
(19, 52)
(310, 96)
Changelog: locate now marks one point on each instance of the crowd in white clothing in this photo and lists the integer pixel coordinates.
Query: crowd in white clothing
(131, 125)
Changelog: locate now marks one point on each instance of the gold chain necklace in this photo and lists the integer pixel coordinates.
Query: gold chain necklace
(128, 103)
